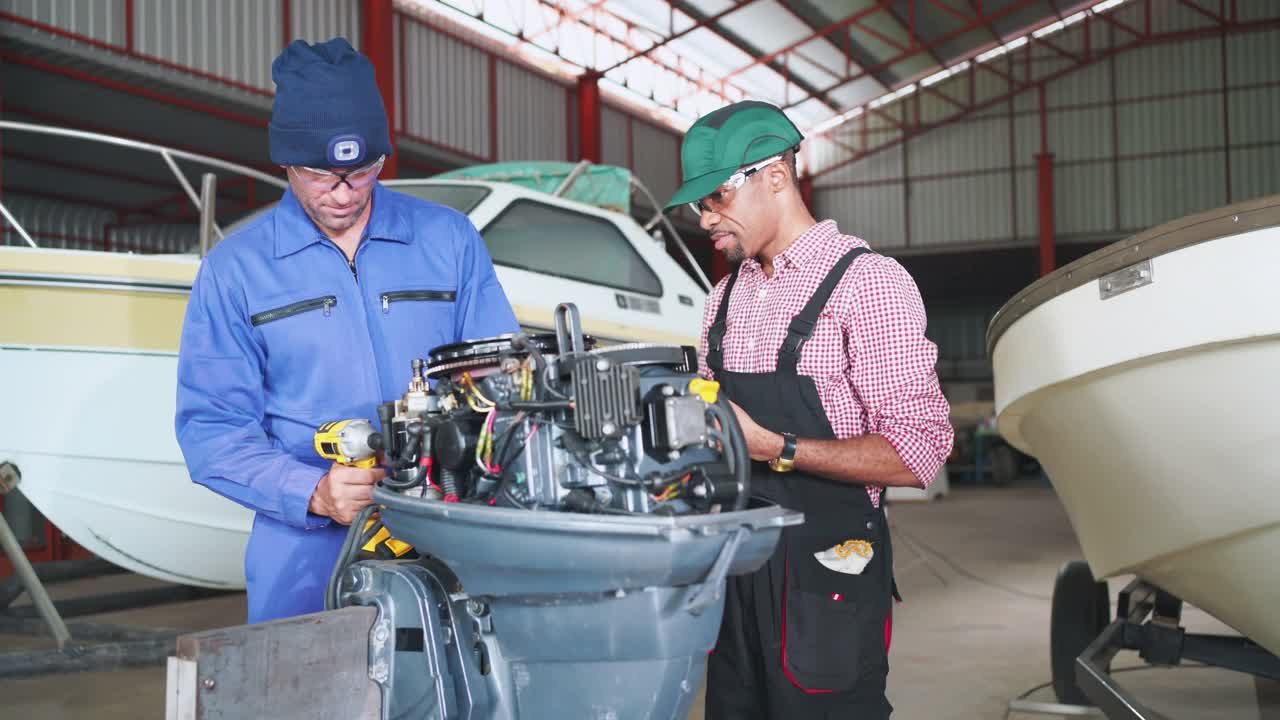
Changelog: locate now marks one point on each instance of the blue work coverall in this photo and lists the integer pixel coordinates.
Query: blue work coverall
(282, 335)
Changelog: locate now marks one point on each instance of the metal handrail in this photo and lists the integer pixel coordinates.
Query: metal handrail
(661, 217)
(168, 154)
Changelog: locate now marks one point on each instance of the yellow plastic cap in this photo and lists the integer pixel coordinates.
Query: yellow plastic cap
(708, 390)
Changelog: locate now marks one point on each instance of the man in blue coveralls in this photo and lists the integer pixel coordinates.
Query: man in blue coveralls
(314, 312)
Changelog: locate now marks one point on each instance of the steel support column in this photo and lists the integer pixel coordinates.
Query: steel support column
(378, 42)
(589, 145)
(1044, 162)
(1047, 244)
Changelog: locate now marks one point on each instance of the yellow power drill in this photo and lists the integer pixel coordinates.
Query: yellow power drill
(356, 443)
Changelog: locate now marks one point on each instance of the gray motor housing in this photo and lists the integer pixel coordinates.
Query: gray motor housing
(518, 614)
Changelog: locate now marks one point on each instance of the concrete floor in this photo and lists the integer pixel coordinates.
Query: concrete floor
(976, 569)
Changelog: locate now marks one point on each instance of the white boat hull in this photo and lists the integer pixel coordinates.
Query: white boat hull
(101, 461)
(1156, 414)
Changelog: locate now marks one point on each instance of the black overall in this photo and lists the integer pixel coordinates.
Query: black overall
(799, 640)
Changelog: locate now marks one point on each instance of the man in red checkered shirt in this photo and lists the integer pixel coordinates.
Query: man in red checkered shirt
(820, 344)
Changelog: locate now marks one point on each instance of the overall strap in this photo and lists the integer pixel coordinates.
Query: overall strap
(715, 334)
(803, 323)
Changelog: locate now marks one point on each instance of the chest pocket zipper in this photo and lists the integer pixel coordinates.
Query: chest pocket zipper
(420, 295)
(327, 302)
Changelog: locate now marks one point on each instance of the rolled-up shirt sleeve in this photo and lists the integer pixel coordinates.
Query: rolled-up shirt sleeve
(892, 367)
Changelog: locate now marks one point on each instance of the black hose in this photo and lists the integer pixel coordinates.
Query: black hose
(537, 405)
(741, 458)
(409, 454)
(347, 555)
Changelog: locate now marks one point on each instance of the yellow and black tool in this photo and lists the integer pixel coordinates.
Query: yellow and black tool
(356, 443)
(349, 442)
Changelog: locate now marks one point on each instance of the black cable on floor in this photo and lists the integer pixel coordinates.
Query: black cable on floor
(960, 570)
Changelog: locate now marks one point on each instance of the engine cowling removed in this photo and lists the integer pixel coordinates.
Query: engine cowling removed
(550, 422)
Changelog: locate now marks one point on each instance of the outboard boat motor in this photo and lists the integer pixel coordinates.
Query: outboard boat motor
(576, 511)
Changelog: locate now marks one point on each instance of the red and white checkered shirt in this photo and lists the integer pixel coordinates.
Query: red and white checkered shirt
(868, 356)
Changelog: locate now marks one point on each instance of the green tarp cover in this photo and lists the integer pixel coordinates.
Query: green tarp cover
(604, 186)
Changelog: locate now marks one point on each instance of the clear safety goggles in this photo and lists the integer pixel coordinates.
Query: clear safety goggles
(327, 180)
(720, 198)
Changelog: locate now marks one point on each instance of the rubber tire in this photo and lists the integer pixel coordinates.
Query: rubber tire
(1081, 611)
(1004, 465)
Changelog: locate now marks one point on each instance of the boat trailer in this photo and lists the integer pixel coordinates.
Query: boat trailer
(1085, 638)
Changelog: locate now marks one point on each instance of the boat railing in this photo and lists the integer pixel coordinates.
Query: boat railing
(203, 201)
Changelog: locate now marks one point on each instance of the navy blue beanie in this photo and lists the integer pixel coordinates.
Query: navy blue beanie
(327, 111)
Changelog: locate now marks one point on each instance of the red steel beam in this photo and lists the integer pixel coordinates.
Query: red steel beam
(1116, 23)
(943, 96)
(286, 24)
(128, 26)
(589, 140)
(1048, 245)
(493, 108)
(1033, 40)
(402, 91)
(885, 38)
(378, 41)
(1226, 115)
(947, 8)
(1203, 11)
(565, 17)
(1044, 178)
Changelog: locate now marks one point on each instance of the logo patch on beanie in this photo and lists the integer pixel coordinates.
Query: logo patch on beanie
(345, 150)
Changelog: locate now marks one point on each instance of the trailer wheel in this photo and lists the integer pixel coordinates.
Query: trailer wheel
(1081, 611)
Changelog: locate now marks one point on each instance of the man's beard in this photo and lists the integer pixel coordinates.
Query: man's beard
(345, 223)
(734, 253)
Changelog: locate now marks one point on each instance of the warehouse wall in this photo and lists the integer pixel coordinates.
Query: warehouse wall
(1139, 138)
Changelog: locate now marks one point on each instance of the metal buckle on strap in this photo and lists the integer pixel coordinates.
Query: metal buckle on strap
(715, 340)
(802, 326)
(791, 345)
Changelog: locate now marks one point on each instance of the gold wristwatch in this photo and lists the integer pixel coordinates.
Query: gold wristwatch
(786, 462)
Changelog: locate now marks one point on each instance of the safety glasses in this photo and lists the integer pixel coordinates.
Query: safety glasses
(328, 181)
(720, 198)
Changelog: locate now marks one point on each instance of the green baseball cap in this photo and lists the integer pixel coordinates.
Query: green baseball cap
(724, 140)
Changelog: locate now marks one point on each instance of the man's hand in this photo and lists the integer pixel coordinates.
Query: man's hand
(345, 491)
(761, 444)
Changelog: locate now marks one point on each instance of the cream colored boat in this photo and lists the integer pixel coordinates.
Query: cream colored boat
(88, 375)
(1144, 377)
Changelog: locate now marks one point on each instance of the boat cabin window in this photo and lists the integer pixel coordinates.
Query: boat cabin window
(557, 241)
(463, 198)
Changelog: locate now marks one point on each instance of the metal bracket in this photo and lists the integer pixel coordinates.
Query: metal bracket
(706, 594)
(1125, 279)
